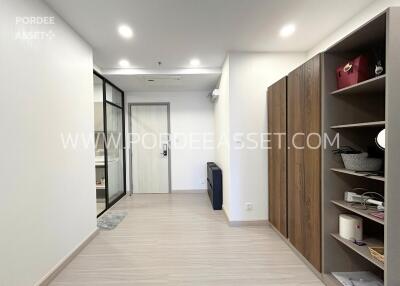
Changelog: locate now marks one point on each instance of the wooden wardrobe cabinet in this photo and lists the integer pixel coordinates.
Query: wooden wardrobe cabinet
(294, 170)
(277, 195)
(304, 160)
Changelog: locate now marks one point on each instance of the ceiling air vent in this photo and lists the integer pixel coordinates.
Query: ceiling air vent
(163, 80)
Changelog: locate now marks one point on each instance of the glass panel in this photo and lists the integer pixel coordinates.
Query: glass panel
(115, 153)
(113, 95)
(99, 143)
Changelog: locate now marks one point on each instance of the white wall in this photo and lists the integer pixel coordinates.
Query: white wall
(355, 22)
(221, 117)
(250, 74)
(48, 199)
(190, 112)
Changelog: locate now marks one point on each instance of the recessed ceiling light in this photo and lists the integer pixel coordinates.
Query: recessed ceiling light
(124, 63)
(125, 31)
(195, 62)
(287, 30)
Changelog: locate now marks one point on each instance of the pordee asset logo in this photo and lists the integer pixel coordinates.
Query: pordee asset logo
(35, 20)
(34, 28)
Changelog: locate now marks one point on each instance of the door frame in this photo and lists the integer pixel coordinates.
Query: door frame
(167, 104)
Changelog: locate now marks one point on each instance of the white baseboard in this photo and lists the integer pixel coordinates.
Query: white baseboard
(65, 261)
(239, 223)
(189, 191)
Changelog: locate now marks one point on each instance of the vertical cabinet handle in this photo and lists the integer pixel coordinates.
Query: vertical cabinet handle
(165, 150)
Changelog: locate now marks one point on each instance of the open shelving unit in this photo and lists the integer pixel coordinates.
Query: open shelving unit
(356, 114)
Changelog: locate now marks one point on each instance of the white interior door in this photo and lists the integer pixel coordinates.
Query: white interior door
(150, 148)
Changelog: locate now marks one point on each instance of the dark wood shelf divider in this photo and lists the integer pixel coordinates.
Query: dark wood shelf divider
(358, 174)
(373, 85)
(362, 250)
(361, 212)
(360, 125)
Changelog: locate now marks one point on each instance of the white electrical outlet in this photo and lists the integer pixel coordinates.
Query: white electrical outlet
(249, 206)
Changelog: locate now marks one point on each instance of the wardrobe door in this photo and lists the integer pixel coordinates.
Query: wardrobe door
(295, 159)
(304, 160)
(277, 191)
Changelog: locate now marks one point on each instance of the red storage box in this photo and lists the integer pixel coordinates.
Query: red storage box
(353, 72)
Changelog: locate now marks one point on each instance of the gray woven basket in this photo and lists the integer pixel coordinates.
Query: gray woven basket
(361, 162)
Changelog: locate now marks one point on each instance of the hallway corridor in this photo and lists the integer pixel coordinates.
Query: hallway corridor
(177, 239)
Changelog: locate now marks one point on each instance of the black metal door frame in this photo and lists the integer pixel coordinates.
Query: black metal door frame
(122, 107)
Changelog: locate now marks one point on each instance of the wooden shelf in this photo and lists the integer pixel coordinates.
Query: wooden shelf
(360, 125)
(373, 85)
(362, 250)
(358, 174)
(99, 187)
(361, 212)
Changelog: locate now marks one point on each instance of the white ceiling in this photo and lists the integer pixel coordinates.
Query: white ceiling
(174, 31)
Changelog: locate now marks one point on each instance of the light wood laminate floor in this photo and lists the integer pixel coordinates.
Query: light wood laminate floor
(177, 239)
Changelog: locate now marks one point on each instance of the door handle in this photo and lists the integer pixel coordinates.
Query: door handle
(165, 150)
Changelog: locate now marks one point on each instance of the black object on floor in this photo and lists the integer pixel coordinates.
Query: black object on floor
(214, 180)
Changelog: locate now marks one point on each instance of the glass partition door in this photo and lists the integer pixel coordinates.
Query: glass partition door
(109, 143)
(99, 136)
(115, 144)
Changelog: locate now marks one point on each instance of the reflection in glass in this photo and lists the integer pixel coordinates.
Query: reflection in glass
(113, 95)
(115, 153)
(99, 144)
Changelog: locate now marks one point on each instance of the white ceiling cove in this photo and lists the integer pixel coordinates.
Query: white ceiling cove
(175, 31)
(177, 81)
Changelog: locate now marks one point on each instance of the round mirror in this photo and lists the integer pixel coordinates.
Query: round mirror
(380, 139)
